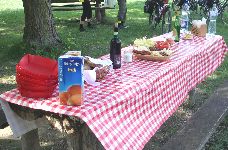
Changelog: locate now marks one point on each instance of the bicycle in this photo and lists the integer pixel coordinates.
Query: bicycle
(206, 5)
(221, 6)
(159, 11)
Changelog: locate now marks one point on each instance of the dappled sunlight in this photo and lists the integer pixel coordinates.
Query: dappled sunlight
(183, 113)
(8, 134)
(45, 144)
(213, 76)
(11, 22)
(139, 19)
(2, 22)
(8, 79)
(135, 2)
(140, 11)
(2, 29)
(11, 5)
(10, 32)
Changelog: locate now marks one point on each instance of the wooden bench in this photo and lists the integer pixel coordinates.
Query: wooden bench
(74, 5)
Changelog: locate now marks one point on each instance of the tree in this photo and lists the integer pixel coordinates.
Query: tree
(39, 30)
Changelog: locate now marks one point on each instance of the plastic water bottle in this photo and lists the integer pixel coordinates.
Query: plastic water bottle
(185, 17)
(212, 16)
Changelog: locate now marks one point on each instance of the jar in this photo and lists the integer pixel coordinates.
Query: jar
(127, 56)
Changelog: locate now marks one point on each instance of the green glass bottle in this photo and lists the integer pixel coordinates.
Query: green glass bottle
(177, 28)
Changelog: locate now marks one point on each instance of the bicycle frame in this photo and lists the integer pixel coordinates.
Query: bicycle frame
(157, 10)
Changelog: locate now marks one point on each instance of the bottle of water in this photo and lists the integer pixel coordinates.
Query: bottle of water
(212, 16)
(185, 16)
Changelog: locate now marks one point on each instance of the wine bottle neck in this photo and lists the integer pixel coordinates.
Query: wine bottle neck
(115, 34)
(116, 30)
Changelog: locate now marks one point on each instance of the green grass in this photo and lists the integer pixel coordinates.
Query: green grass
(219, 140)
(95, 43)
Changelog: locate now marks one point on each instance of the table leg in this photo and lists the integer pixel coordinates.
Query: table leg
(98, 15)
(99, 12)
(74, 141)
(84, 139)
(30, 140)
(102, 11)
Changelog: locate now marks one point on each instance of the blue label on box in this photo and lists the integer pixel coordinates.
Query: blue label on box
(71, 81)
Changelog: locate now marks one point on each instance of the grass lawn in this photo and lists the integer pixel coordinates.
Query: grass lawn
(95, 43)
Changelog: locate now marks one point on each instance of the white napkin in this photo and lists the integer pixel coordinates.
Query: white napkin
(18, 125)
(103, 62)
(90, 77)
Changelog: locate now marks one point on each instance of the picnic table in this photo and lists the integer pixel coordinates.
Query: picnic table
(132, 102)
(73, 5)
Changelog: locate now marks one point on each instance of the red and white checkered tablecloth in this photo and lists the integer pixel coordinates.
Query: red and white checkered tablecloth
(131, 103)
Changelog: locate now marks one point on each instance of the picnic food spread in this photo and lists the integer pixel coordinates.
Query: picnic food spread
(71, 66)
(188, 36)
(138, 97)
(149, 49)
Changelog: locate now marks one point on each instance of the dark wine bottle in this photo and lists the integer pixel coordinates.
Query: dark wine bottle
(115, 49)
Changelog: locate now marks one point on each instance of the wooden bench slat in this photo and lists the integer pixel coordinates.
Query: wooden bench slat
(70, 4)
(76, 6)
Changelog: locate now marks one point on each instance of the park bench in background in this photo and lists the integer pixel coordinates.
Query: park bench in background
(73, 5)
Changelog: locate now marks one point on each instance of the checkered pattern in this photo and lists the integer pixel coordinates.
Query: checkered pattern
(131, 103)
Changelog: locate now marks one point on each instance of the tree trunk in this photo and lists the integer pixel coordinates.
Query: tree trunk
(39, 30)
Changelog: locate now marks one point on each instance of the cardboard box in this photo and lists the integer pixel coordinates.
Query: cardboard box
(71, 81)
(201, 31)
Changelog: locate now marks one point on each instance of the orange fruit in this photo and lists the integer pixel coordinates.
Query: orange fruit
(76, 99)
(75, 89)
(63, 98)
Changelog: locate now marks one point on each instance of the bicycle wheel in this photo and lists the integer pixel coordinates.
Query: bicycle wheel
(166, 21)
(222, 6)
(224, 18)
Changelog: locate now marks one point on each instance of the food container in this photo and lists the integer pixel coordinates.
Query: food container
(36, 76)
(127, 56)
(199, 28)
(152, 58)
(34, 94)
(71, 79)
(101, 72)
(100, 66)
(38, 67)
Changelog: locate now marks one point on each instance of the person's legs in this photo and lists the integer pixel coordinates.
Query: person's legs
(83, 17)
(88, 13)
(122, 12)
